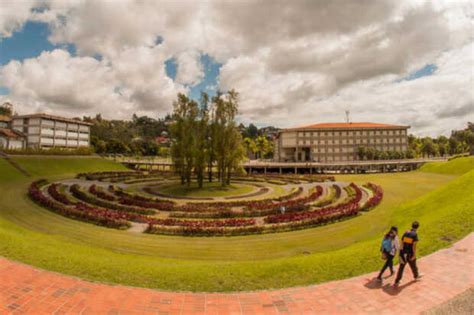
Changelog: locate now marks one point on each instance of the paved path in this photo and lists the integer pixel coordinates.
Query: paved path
(24, 289)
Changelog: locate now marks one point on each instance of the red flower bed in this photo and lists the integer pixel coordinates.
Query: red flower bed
(53, 192)
(291, 205)
(77, 211)
(126, 198)
(204, 223)
(91, 199)
(375, 199)
(349, 208)
(100, 194)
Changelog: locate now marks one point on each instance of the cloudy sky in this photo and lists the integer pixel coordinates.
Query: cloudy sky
(293, 62)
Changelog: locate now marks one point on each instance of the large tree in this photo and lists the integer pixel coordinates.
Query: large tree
(206, 135)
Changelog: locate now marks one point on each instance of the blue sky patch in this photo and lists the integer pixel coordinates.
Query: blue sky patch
(209, 82)
(29, 42)
(426, 71)
(4, 90)
(171, 67)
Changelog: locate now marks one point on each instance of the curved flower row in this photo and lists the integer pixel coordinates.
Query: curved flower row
(203, 223)
(292, 204)
(375, 199)
(53, 192)
(78, 193)
(100, 194)
(351, 207)
(77, 211)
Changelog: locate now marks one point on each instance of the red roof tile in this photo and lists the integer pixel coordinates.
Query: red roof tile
(10, 133)
(357, 125)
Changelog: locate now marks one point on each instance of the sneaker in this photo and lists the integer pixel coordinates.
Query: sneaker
(419, 277)
(396, 284)
(379, 279)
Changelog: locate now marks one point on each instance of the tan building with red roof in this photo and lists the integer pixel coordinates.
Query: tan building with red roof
(336, 142)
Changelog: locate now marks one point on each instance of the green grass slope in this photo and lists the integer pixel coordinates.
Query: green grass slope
(457, 166)
(8, 173)
(442, 203)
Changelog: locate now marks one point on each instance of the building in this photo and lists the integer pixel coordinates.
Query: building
(46, 131)
(11, 139)
(334, 142)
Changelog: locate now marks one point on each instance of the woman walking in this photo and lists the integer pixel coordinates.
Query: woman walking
(390, 247)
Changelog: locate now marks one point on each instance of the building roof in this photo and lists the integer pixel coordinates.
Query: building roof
(351, 125)
(5, 118)
(47, 116)
(10, 133)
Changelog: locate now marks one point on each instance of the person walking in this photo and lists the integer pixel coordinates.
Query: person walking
(408, 253)
(390, 246)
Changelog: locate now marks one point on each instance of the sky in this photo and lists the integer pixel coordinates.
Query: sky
(293, 63)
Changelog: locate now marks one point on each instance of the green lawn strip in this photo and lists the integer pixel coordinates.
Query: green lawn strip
(456, 166)
(213, 189)
(445, 212)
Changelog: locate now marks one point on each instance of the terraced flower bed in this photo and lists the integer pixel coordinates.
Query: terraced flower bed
(114, 207)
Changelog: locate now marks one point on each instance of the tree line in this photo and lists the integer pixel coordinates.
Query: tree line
(205, 138)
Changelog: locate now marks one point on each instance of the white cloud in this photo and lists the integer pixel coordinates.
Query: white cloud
(58, 82)
(292, 61)
(190, 69)
(13, 14)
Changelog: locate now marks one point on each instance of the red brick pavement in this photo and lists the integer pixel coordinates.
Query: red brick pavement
(448, 272)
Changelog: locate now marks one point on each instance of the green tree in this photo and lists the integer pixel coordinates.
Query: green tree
(361, 153)
(428, 147)
(263, 146)
(250, 146)
(6, 109)
(182, 148)
(228, 141)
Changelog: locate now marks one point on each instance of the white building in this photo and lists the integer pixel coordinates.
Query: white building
(46, 131)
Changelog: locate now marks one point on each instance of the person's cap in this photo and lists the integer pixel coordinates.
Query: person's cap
(415, 224)
(394, 228)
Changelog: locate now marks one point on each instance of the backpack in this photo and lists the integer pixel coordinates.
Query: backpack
(387, 245)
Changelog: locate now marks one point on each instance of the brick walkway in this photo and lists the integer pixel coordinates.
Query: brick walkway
(24, 289)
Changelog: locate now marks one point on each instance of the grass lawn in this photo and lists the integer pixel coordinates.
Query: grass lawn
(442, 202)
(457, 166)
(208, 190)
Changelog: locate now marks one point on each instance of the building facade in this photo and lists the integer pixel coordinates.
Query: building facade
(46, 131)
(335, 142)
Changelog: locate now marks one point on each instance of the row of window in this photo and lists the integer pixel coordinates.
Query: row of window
(351, 150)
(352, 133)
(351, 142)
(72, 137)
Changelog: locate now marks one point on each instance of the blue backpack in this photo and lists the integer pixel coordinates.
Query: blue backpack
(387, 245)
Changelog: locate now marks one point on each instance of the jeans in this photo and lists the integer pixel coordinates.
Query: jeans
(388, 264)
(404, 259)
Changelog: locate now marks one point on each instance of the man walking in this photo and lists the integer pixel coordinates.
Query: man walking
(408, 253)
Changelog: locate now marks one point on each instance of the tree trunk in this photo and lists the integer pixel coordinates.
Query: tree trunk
(209, 170)
(228, 175)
